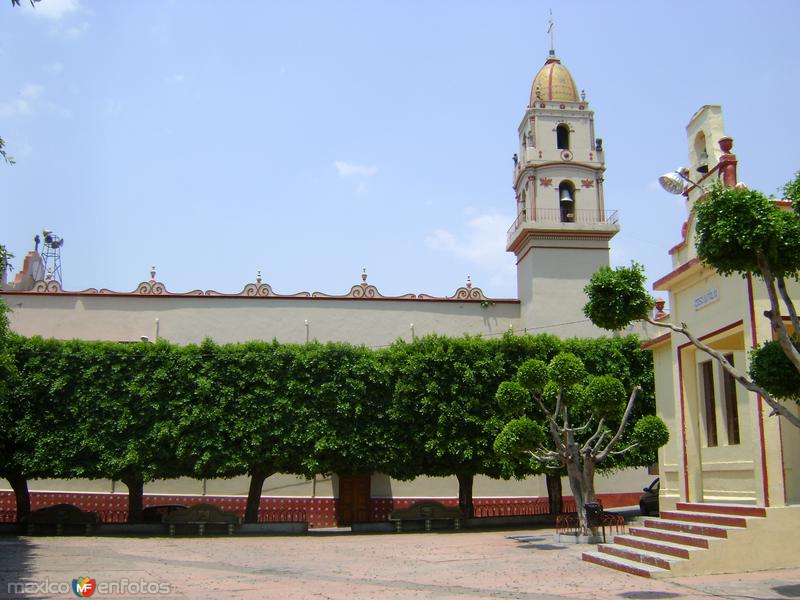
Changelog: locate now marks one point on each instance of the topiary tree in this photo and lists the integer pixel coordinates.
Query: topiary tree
(516, 349)
(443, 412)
(562, 416)
(121, 404)
(738, 231)
(239, 417)
(11, 448)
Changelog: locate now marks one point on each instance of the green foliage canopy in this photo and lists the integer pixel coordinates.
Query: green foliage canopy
(734, 225)
(617, 297)
(443, 405)
(139, 412)
(772, 369)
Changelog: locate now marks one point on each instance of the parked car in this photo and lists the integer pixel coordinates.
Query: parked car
(648, 502)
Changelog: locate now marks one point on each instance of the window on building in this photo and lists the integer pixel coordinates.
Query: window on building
(562, 136)
(731, 407)
(709, 402)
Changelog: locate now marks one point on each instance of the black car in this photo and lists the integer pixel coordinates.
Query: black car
(648, 502)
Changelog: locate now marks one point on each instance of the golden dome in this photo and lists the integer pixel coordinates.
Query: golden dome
(553, 82)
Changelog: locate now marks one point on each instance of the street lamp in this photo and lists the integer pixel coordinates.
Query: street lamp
(674, 182)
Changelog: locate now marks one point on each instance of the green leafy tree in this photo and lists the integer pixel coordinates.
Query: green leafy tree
(516, 349)
(240, 417)
(122, 412)
(5, 260)
(443, 409)
(40, 439)
(739, 231)
(346, 392)
(10, 412)
(562, 416)
(4, 154)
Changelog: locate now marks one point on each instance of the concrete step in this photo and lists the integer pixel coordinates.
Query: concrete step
(687, 527)
(661, 547)
(676, 537)
(624, 565)
(654, 559)
(741, 510)
(700, 517)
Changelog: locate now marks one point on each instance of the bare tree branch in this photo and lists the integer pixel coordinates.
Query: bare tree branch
(774, 315)
(599, 442)
(559, 401)
(551, 419)
(547, 456)
(594, 436)
(787, 300)
(624, 450)
(622, 424)
(777, 407)
(583, 427)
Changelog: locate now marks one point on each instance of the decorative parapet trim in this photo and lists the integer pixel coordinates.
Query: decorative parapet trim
(262, 290)
(258, 289)
(468, 292)
(364, 290)
(52, 287)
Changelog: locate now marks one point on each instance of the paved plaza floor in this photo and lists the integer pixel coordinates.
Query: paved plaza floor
(486, 564)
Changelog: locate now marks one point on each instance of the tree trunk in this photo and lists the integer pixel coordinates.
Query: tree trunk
(581, 481)
(135, 485)
(465, 481)
(257, 478)
(588, 481)
(21, 494)
(554, 494)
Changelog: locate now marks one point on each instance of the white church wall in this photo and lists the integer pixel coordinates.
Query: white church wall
(188, 319)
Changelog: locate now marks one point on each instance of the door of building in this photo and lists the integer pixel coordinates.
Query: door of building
(352, 505)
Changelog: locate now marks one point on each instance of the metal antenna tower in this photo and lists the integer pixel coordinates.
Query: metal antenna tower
(51, 256)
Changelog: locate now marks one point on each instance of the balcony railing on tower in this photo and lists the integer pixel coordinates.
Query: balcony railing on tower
(586, 216)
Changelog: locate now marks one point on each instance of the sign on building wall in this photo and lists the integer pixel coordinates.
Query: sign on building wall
(706, 299)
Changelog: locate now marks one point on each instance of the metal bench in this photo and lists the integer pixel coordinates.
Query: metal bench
(569, 524)
(61, 516)
(426, 511)
(201, 515)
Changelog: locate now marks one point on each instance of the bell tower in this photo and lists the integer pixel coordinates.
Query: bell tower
(562, 230)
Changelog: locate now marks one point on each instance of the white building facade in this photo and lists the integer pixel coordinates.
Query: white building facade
(560, 237)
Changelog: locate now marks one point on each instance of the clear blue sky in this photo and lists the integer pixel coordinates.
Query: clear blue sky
(311, 139)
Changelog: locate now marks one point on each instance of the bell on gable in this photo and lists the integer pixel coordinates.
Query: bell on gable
(566, 195)
(702, 160)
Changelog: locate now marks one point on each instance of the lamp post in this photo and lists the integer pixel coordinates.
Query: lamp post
(675, 181)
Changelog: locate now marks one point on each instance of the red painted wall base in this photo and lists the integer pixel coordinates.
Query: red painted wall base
(320, 512)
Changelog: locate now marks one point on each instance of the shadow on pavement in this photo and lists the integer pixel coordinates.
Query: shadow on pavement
(788, 591)
(528, 542)
(649, 595)
(540, 547)
(15, 568)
